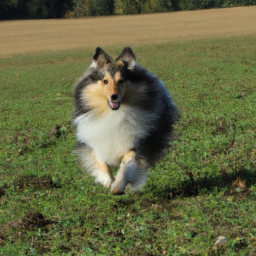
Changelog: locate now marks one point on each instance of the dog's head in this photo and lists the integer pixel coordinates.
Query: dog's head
(114, 74)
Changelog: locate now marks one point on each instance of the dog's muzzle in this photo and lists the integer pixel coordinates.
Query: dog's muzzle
(114, 105)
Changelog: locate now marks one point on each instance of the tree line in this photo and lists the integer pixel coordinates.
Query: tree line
(45, 9)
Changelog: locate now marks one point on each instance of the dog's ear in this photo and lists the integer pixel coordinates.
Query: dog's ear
(127, 56)
(100, 58)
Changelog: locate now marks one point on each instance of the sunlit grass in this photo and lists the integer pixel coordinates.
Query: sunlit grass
(49, 206)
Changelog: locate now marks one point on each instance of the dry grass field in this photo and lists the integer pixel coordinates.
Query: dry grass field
(29, 36)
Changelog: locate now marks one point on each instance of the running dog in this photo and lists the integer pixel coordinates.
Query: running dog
(124, 118)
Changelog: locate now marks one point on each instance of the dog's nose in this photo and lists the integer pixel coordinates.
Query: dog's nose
(114, 97)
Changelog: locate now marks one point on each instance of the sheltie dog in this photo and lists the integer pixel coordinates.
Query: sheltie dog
(124, 118)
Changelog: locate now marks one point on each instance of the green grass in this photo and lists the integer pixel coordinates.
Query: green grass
(204, 187)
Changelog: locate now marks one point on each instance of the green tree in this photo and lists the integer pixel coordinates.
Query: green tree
(48, 8)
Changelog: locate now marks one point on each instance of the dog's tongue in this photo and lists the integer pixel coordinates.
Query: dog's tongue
(113, 104)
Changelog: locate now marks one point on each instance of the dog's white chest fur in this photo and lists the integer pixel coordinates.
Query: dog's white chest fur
(115, 133)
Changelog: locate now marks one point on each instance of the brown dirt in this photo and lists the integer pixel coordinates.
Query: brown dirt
(30, 181)
(28, 36)
(32, 221)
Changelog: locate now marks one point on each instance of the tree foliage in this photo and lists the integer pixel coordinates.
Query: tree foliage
(18, 9)
(34, 9)
(93, 7)
(48, 8)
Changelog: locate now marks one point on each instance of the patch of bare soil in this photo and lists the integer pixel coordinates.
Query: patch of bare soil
(30, 181)
(28, 36)
(32, 221)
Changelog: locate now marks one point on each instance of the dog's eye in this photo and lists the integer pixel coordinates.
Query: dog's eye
(105, 81)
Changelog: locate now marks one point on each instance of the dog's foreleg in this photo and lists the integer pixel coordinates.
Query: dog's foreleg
(101, 171)
(104, 174)
(133, 171)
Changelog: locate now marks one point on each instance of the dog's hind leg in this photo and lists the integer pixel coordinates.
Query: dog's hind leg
(101, 171)
(133, 171)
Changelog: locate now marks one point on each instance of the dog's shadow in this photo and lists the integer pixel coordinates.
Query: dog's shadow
(237, 184)
(229, 183)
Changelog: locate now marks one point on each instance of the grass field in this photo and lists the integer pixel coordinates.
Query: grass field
(204, 188)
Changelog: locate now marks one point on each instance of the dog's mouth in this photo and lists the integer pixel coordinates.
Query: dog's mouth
(114, 105)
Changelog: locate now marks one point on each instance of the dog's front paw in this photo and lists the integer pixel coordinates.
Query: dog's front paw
(117, 188)
(105, 180)
(116, 192)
